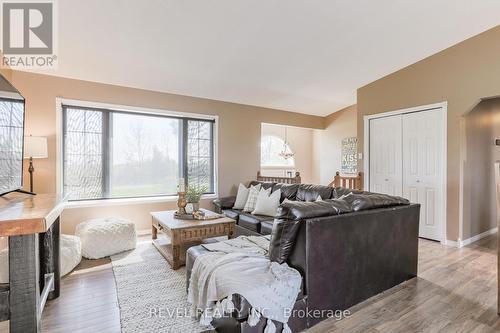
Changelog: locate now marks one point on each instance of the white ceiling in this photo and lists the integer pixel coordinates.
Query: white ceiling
(307, 56)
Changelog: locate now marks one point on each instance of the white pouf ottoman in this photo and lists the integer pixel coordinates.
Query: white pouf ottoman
(106, 236)
(71, 253)
(70, 257)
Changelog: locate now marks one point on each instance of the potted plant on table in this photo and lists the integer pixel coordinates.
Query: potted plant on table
(193, 196)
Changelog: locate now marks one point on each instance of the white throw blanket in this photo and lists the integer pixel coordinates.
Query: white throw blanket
(241, 266)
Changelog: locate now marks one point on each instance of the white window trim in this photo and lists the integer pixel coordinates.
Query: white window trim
(11, 95)
(121, 201)
(129, 201)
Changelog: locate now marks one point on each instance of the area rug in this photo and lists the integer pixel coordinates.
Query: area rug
(152, 297)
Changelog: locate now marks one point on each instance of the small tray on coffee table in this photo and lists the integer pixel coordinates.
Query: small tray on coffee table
(186, 232)
(206, 215)
(186, 216)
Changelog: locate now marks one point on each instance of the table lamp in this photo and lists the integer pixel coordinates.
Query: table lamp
(34, 147)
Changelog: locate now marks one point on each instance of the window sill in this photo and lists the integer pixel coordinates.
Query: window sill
(128, 201)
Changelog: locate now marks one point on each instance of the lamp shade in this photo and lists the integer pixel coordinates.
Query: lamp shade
(35, 146)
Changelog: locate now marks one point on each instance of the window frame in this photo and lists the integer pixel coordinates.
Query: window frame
(62, 103)
(16, 97)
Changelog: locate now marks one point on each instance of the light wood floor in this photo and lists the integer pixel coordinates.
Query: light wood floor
(87, 303)
(455, 292)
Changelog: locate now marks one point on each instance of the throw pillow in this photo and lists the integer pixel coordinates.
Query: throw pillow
(242, 196)
(267, 204)
(252, 198)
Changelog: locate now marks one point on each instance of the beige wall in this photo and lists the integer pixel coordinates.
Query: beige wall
(6, 72)
(328, 143)
(238, 142)
(460, 75)
(300, 141)
(482, 126)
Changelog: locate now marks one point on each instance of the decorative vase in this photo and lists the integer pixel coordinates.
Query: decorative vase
(196, 206)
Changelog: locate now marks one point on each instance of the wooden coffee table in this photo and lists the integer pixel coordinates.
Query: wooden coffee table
(185, 233)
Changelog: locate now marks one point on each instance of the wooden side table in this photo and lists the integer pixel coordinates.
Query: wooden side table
(186, 233)
(33, 227)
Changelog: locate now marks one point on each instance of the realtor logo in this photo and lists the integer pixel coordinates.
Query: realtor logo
(28, 30)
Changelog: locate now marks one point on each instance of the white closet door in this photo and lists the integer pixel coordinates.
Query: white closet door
(423, 149)
(386, 155)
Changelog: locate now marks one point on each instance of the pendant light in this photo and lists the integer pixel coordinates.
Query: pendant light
(286, 153)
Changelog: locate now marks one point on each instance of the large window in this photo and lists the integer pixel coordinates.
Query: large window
(117, 154)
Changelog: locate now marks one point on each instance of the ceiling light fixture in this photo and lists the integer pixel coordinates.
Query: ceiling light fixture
(286, 153)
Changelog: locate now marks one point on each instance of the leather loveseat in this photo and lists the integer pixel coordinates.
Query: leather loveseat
(346, 250)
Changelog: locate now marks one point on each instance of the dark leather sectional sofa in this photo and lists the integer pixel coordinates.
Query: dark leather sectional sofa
(249, 224)
(346, 248)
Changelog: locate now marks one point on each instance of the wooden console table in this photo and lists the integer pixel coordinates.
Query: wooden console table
(185, 233)
(33, 227)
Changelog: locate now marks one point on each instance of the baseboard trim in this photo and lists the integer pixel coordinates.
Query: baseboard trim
(451, 243)
(461, 243)
(143, 232)
(478, 237)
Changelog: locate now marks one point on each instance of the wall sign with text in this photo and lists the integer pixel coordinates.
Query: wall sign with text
(349, 153)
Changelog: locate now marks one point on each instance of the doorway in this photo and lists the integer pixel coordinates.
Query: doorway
(481, 128)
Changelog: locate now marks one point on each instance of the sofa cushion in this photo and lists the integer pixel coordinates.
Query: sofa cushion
(283, 236)
(369, 200)
(340, 191)
(232, 213)
(224, 203)
(266, 227)
(242, 231)
(299, 210)
(288, 191)
(252, 222)
(265, 185)
(310, 192)
(191, 254)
